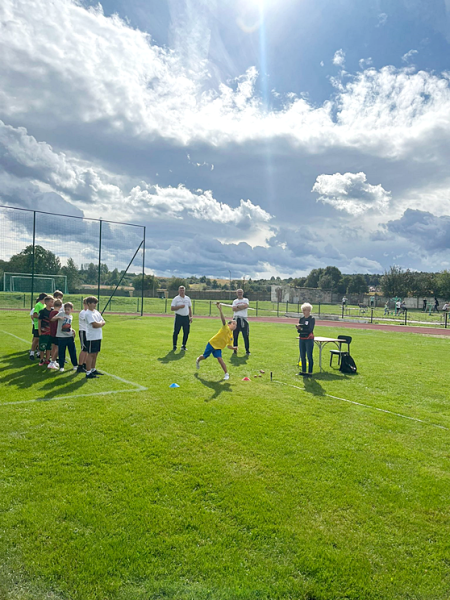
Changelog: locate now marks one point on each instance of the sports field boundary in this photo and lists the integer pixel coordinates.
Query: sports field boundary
(136, 386)
(437, 330)
(369, 406)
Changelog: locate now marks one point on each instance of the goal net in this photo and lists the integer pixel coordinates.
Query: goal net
(21, 282)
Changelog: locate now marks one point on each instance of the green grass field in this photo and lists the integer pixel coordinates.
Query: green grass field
(225, 490)
(13, 300)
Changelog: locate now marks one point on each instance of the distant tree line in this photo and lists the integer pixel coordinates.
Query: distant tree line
(394, 282)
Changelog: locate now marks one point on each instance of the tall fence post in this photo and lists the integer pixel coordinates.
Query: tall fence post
(287, 306)
(371, 315)
(406, 316)
(143, 276)
(210, 303)
(193, 307)
(445, 319)
(257, 308)
(32, 260)
(99, 261)
(343, 309)
(319, 309)
(165, 306)
(278, 309)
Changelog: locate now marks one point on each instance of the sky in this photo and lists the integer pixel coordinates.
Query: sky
(265, 137)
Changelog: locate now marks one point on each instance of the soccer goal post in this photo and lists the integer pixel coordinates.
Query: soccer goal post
(22, 282)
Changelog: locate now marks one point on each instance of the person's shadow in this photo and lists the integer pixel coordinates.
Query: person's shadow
(238, 360)
(25, 373)
(312, 384)
(171, 357)
(217, 386)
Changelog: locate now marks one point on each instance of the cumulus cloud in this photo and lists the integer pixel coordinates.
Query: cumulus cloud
(339, 58)
(350, 192)
(423, 229)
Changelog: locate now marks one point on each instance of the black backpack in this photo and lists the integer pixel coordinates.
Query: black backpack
(348, 365)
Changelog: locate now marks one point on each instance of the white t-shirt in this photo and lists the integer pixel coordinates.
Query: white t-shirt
(243, 312)
(82, 320)
(183, 312)
(93, 333)
(64, 325)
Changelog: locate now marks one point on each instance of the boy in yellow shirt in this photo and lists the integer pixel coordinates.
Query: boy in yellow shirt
(222, 339)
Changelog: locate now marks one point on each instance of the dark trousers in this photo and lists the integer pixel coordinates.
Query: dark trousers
(306, 349)
(68, 343)
(181, 322)
(243, 327)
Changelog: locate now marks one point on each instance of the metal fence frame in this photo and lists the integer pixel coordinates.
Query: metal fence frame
(100, 221)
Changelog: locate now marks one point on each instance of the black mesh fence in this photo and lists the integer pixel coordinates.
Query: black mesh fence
(42, 251)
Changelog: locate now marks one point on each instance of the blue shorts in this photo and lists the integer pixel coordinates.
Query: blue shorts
(210, 350)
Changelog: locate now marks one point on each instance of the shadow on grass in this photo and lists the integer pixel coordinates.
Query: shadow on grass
(237, 360)
(171, 357)
(217, 386)
(25, 373)
(312, 384)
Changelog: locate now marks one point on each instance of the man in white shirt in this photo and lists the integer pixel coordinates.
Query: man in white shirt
(240, 309)
(181, 306)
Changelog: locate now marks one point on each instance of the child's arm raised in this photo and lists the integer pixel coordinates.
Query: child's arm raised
(219, 306)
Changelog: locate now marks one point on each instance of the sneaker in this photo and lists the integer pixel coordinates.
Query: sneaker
(248, 353)
(174, 348)
(42, 363)
(31, 356)
(227, 376)
(91, 376)
(302, 374)
(234, 351)
(183, 348)
(197, 363)
(61, 370)
(97, 372)
(38, 354)
(81, 369)
(52, 365)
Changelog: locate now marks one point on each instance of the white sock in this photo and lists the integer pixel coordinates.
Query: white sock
(31, 352)
(88, 372)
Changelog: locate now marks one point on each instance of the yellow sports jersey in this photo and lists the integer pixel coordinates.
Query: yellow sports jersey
(222, 339)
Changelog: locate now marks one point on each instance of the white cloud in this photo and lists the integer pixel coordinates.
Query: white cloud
(350, 192)
(382, 18)
(407, 57)
(339, 58)
(365, 62)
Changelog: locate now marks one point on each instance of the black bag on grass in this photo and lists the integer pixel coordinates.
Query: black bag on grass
(348, 365)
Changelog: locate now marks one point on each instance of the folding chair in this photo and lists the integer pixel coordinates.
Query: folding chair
(346, 339)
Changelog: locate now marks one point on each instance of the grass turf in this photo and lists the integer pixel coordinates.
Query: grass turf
(225, 490)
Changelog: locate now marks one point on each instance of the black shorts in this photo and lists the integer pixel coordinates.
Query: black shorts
(34, 332)
(54, 340)
(93, 346)
(83, 341)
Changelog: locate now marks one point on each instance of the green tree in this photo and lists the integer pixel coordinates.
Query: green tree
(114, 277)
(395, 282)
(335, 275)
(326, 282)
(358, 285)
(91, 273)
(175, 283)
(312, 281)
(298, 282)
(71, 272)
(45, 262)
(150, 282)
(442, 284)
(343, 284)
(215, 285)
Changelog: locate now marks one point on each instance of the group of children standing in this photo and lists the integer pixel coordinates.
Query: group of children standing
(53, 333)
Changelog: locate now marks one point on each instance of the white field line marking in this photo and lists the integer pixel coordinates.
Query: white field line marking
(137, 386)
(389, 412)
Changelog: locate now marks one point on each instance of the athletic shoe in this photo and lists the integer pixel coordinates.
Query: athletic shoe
(234, 351)
(52, 365)
(247, 353)
(81, 369)
(183, 348)
(227, 376)
(197, 363)
(38, 354)
(302, 374)
(31, 356)
(97, 372)
(42, 363)
(91, 376)
(174, 348)
(61, 370)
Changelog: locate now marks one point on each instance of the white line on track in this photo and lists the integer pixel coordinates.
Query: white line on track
(137, 386)
(389, 412)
